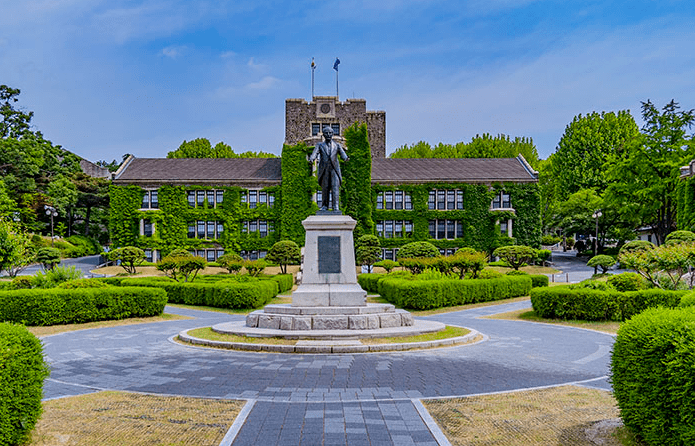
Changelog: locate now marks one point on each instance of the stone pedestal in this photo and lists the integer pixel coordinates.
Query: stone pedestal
(329, 278)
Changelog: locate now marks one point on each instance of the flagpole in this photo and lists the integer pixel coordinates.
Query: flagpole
(336, 85)
(313, 67)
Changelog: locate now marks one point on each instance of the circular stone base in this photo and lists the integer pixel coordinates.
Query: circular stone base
(240, 329)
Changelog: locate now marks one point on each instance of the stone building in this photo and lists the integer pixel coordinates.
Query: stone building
(304, 120)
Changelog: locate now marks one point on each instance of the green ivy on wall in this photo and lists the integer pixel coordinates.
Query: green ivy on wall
(686, 204)
(297, 187)
(356, 196)
(124, 216)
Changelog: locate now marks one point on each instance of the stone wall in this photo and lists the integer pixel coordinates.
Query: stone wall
(300, 114)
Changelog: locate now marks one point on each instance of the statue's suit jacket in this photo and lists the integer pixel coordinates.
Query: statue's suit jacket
(328, 160)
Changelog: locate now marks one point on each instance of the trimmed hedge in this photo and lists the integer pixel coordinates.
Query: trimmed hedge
(22, 371)
(220, 294)
(428, 294)
(653, 375)
(70, 306)
(539, 280)
(596, 305)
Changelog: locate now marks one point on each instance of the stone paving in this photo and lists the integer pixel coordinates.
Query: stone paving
(355, 399)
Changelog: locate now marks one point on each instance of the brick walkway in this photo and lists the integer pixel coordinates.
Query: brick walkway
(354, 399)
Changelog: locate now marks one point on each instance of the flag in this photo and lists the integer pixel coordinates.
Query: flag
(313, 64)
(335, 65)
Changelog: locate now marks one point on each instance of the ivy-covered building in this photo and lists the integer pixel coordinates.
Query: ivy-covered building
(245, 205)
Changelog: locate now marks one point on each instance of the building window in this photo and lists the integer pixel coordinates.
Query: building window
(147, 228)
(317, 127)
(253, 255)
(145, 200)
(393, 200)
(501, 201)
(459, 199)
(271, 200)
(445, 229)
(504, 227)
(319, 197)
(211, 230)
(408, 202)
(200, 198)
(380, 229)
(205, 229)
(398, 204)
(388, 229)
(442, 200)
(150, 200)
(191, 199)
(219, 196)
(388, 199)
(210, 255)
(253, 199)
(432, 200)
(257, 197)
(394, 229)
(211, 198)
(191, 229)
(148, 255)
(201, 229)
(220, 229)
(263, 227)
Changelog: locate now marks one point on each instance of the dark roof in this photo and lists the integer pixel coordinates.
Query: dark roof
(463, 170)
(202, 170)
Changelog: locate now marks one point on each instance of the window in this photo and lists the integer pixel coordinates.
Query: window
(451, 199)
(220, 229)
(380, 201)
(263, 227)
(408, 203)
(210, 255)
(211, 198)
(388, 229)
(191, 229)
(205, 229)
(147, 228)
(253, 226)
(319, 197)
(145, 201)
(408, 228)
(253, 199)
(200, 198)
(501, 201)
(388, 199)
(394, 228)
(399, 200)
(388, 254)
(244, 198)
(201, 229)
(191, 199)
(219, 253)
(150, 200)
(380, 229)
(211, 230)
(445, 229)
(148, 255)
(432, 199)
(504, 227)
(315, 128)
(219, 196)
(398, 229)
(459, 199)
(271, 200)
(263, 197)
(441, 200)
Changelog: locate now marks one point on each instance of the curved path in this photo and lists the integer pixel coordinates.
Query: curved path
(328, 399)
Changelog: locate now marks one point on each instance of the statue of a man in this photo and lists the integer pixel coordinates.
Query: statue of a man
(329, 175)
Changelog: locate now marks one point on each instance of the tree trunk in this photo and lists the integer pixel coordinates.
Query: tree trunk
(86, 220)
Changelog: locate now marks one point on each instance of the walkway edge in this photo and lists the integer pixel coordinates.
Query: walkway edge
(431, 424)
(238, 423)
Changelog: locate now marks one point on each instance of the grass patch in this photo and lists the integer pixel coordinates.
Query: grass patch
(530, 315)
(279, 299)
(55, 329)
(560, 415)
(449, 332)
(118, 418)
(207, 333)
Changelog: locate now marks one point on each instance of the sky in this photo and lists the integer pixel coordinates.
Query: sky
(110, 77)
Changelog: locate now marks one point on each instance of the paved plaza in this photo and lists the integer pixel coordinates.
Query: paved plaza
(355, 399)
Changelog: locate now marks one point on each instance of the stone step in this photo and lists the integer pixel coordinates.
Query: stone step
(290, 322)
(287, 309)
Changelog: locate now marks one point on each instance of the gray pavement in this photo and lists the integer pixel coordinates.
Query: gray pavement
(354, 399)
(83, 264)
(573, 268)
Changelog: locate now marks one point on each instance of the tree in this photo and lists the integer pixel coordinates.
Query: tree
(605, 262)
(48, 257)
(179, 265)
(255, 267)
(367, 251)
(130, 257)
(8, 206)
(387, 264)
(63, 194)
(468, 260)
(232, 262)
(201, 148)
(677, 237)
(646, 171)
(16, 249)
(663, 266)
(515, 255)
(417, 249)
(14, 122)
(585, 146)
(283, 253)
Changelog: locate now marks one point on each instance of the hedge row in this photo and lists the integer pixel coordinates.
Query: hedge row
(596, 305)
(222, 294)
(22, 371)
(427, 294)
(70, 306)
(653, 375)
(539, 280)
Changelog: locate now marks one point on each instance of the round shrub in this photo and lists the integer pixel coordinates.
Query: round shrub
(601, 261)
(636, 245)
(653, 375)
(21, 383)
(20, 283)
(387, 264)
(688, 300)
(680, 237)
(489, 274)
(628, 282)
(548, 240)
(515, 255)
(418, 249)
(515, 272)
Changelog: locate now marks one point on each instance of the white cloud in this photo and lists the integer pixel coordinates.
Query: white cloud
(173, 51)
(255, 66)
(266, 83)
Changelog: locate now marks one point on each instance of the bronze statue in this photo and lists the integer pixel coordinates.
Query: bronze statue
(329, 175)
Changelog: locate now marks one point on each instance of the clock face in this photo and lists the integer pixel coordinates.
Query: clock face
(325, 108)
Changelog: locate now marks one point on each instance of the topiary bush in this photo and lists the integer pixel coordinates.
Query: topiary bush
(417, 249)
(601, 261)
(83, 283)
(628, 282)
(22, 372)
(636, 245)
(388, 265)
(283, 253)
(653, 375)
(55, 306)
(539, 280)
(680, 237)
(515, 255)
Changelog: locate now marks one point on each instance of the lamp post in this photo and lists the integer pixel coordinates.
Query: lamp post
(51, 211)
(596, 215)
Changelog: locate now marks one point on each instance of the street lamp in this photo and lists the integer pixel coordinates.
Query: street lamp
(51, 211)
(596, 215)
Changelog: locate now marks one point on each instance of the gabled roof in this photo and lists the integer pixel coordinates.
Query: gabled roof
(222, 171)
(453, 170)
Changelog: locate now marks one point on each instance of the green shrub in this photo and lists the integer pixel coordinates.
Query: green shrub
(417, 249)
(628, 282)
(285, 282)
(680, 237)
(688, 300)
(489, 274)
(283, 253)
(603, 261)
(232, 262)
(232, 293)
(89, 245)
(20, 283)
(388, 265)
(653, 375)
(636, 245)
(54, 277)
(586, 303)
(129, 256)
(550, 240)
(427, 294)
(515, 255)
(55, 306)
(83, 283)
(22, 372)
(48, 257)
(179, 266)
(539, 280)
(369, 281)
(515, 272)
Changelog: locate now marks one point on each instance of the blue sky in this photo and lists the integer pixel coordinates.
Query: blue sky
(108, 77)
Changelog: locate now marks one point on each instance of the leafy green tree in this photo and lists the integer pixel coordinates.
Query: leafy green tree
(16, 249)
(63, 194)
(646, 171)
(656, 263)
(680, 237)
(387, 264)
(201, 148)
(130, 257)
(585, 146)
(8, 206)
(356, 192)
(603, 261)
(468, 260)
(181, 266)
(255, 267)
(92, 194)
(48, 258)
(14, 122)
(367, 251)
(283, 253)
(416, 250)
(232, 262)
(515, 255)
